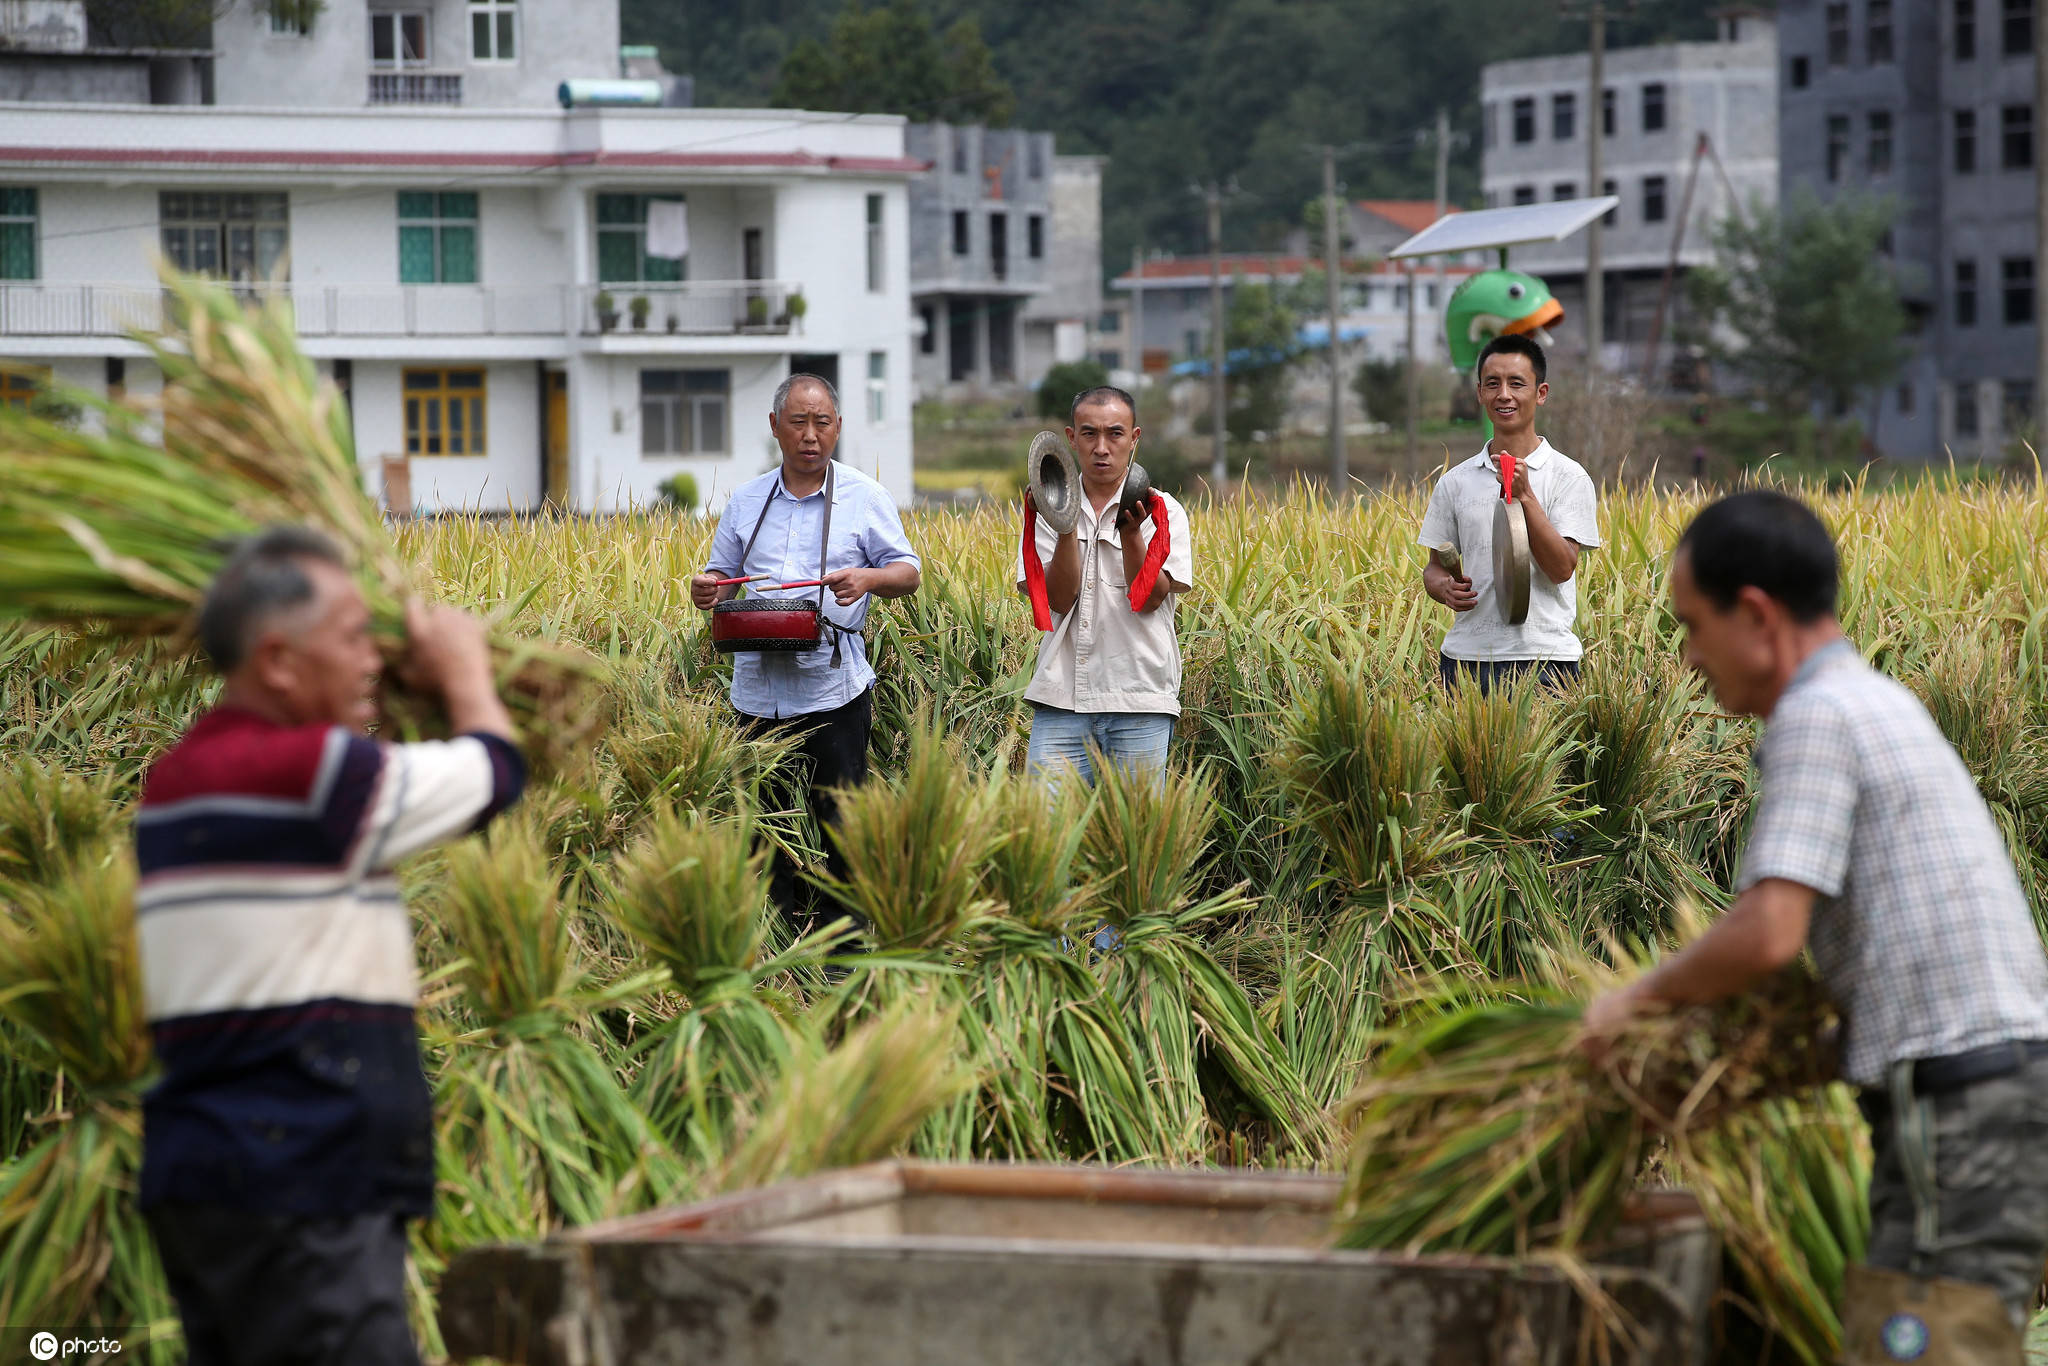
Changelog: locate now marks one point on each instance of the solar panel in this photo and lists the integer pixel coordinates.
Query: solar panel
(1485, 228)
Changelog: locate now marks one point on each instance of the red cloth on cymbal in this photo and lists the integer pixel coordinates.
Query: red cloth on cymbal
(1034, 571)
(1155, 557)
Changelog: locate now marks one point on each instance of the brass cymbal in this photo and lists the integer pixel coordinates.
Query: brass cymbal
(1511, 561)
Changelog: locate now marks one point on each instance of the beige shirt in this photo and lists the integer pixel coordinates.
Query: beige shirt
(1102, 656)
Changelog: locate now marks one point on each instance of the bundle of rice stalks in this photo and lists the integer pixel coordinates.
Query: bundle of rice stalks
(1145, 847)
(915, 845)
(1361, 770)
(535, 1129)
(49, 819)
(74, 1251)
(683, 752)
(120, 523)
(857, 1102)
(1481, 1129)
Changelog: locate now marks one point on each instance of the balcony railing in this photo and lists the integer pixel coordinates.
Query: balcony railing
(698, 308)
(691, 308)
(415, 87)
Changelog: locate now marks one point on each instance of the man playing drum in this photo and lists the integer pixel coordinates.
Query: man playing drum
(1108, 676)
(1559, 508)
(1873, 848)
(775, 526)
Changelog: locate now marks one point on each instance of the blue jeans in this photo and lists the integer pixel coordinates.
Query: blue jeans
(1134, 741)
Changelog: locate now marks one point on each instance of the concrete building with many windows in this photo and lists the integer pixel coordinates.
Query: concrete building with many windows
(1658, 104)
(1931, 105)
(524, 304)
(1060, 324)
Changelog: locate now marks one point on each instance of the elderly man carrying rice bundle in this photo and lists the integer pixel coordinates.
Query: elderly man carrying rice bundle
(1873, 847)
(290, 1136)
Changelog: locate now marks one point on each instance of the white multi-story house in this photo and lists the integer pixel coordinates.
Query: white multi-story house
(504, 293)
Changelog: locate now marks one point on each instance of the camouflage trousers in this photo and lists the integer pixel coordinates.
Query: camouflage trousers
(1959, 1185)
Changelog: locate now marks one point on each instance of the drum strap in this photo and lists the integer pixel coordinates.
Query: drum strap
(824, 550)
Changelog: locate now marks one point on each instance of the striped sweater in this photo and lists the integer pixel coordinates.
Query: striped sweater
(277, 960)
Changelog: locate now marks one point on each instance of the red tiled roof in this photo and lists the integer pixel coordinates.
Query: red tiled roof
(1409, 215)
(1253, 267)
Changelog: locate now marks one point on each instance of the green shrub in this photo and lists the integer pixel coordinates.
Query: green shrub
(1056, 391)
(679, 491)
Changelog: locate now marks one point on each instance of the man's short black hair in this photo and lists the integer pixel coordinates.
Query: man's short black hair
(264, 575)
(1770, 541)
(1103, 393)
(1513, 344)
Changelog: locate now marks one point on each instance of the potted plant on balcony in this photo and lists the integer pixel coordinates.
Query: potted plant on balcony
(757, 311)
(797, 306)
(639, 307)
(607, 310)
(674, 322)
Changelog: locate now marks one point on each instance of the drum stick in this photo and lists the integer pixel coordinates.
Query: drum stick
(744, 578)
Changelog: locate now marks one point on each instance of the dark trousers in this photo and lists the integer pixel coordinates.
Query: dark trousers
(1489, 674)
(286, 1290)
(832, 752)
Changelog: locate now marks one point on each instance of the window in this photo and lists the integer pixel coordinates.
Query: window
(1966, 141)
(959, 232)
(875, 276)
(1838, 144)
(398, 38)
(1110, 321)
(289, 24)
(622, 242)
(1607, 112)
(1905, 396)
(17, 232)
(1613, 215)
(878, 388)
(1966, 410)
(1525, 194)
(683, 412)
(2016, 129)
(928, 344)
(2017, 275)
(1802, 73)
(1486, 122)
(1034, 157)
(1109, 360)
(1193, 341)
(436, 238)
(1966, 31)
(1838, 33)
(2018, 36)
(242, 237)
(1564, 117)
(1525, 120)
(1877, 31)
(1653, 199)
(19, 385)
(1653, 107)
(1034, 237)
(1966, 294)
(493, 30)
(444, 412)
(1564, 189)
(2018, 396)
(1880, 151)
(959, 152)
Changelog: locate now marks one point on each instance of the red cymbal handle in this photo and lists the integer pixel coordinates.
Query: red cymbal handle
(1507, 476)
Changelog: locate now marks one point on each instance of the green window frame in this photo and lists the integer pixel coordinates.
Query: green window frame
(622, 257)
(444, 412)
(17, 232)
(437, 237)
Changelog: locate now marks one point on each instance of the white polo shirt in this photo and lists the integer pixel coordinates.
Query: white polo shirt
(1102, 656)
(1461, 512)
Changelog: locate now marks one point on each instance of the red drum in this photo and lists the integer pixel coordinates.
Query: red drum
(747, 625)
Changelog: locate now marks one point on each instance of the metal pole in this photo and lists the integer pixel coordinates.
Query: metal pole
(1414, 374)
(1332, 245)
(1219, 465)
(1443, 198)
(2040, 225)
(1596, 132)
(1138, 314)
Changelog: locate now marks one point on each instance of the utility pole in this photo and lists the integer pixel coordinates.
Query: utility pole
(1596, 132)
(1443, 196)
(1443, 179)
(1340, 469)
(1414, 372)
(1138, 314)
(1219, 465)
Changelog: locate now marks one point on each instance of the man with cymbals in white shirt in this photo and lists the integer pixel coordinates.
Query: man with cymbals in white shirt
(1560, 508)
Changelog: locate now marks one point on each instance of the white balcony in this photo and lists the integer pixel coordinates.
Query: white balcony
(696, 308)
(415, 87)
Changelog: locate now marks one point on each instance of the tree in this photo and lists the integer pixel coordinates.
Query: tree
(1260, 337)
(1804, 302)
(889, 60)
(1056, 391)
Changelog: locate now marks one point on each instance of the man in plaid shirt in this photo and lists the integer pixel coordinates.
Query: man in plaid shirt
(1873, 847)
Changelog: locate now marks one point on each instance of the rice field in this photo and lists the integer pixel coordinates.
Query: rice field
(614, 1019)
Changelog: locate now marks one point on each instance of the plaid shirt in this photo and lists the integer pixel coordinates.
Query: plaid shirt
(1921, 932)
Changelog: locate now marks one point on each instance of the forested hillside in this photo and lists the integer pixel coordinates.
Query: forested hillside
(1176, 92)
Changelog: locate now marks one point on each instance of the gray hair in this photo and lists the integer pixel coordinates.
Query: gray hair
(264, 576)
(782, 391)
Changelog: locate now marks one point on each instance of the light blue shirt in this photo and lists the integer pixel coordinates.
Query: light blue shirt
(866, 534)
